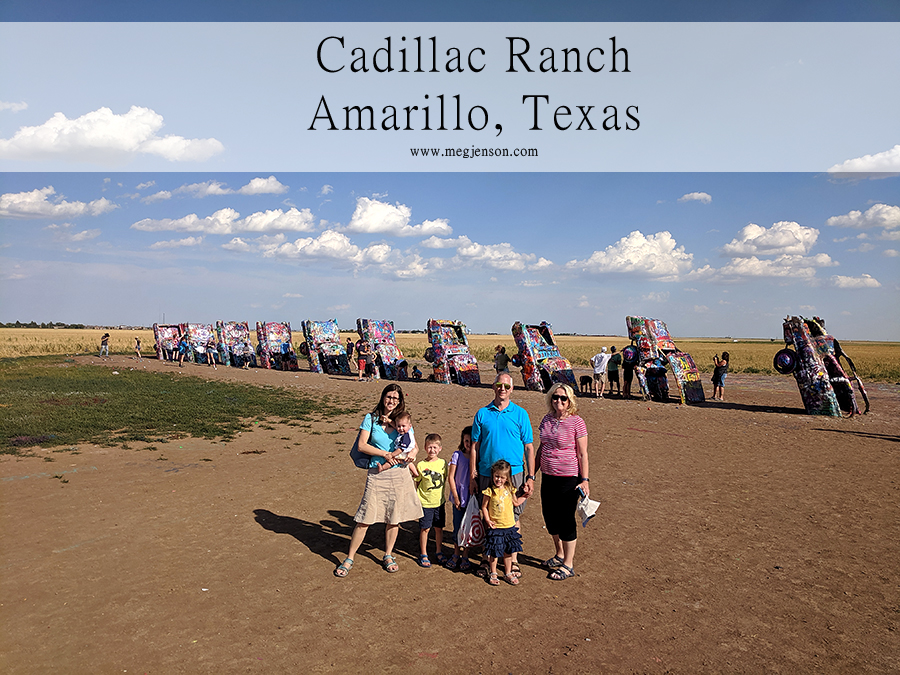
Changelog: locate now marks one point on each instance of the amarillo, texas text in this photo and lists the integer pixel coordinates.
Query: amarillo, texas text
(441, 112)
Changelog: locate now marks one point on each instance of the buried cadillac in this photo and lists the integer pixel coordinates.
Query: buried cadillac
(449, 353)
(539, 358)
(389, 361)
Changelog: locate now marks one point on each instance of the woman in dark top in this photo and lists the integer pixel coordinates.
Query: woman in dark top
(718, 378)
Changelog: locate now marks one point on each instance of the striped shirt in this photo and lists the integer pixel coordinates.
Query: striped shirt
(558, 449)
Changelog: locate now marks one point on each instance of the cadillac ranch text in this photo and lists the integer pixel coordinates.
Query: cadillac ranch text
(455, 112)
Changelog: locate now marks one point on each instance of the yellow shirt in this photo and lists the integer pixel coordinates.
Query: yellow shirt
(430, 483)
(500, 507)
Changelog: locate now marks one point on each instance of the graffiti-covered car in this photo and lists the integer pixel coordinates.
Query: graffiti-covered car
(449, 353)
(539, 358)
(813, 356)
(274, 348)
(166, 337)
(324, 349)
(651, 351)
(234, 343)
(199, 336)
(389, 361)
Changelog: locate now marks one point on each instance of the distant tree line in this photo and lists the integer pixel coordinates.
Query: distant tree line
(34, 324)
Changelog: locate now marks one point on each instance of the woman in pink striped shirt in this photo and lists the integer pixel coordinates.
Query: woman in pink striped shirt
(563, 459)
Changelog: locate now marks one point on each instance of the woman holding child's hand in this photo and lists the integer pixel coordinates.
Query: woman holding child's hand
(390, 495)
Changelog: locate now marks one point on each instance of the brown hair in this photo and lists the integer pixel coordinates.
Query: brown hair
(433, 438)
(401, 406)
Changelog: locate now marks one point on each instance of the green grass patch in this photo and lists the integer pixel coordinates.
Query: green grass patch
(44, 401)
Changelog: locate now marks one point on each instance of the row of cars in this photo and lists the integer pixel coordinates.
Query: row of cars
(811, 355)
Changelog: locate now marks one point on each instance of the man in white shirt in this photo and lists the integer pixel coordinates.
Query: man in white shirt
(599, 363)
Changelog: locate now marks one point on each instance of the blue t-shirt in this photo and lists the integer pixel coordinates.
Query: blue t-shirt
(379, 437)
(502, 434)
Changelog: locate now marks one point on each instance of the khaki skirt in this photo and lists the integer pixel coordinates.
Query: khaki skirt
(390, 497)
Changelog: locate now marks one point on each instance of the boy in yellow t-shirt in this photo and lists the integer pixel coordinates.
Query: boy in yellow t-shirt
(430, 475)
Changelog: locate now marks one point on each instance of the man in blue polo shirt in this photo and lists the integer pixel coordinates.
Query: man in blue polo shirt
(502, 430)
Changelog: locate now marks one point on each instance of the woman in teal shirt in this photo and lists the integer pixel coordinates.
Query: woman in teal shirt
(390, 496)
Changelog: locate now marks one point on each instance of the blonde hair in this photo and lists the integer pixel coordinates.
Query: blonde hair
(501, 466)
(570, 393)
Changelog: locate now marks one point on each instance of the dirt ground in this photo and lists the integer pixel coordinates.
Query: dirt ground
(742, 536)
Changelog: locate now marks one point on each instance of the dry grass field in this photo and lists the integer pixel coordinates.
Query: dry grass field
(875, 361)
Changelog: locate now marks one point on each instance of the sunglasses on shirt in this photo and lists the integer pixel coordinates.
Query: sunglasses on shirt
(559, 397)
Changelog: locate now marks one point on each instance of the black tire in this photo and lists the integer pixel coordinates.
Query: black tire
(429, 355)
(304, 349)
(785, 361)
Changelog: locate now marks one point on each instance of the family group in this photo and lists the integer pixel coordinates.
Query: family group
(494, 466)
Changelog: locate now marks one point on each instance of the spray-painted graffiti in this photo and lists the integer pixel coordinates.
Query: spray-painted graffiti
(539, 357)
(389, 361)
(449, 353)
(274, 348)
(324, 349)
(166, 337)
(813, 357)
(234, 345)
(651, 351)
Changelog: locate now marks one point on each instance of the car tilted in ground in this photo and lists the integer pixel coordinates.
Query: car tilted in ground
(813, 357)
(166, 337)
(539, 358)
(651, 351)
(323, 348)
(449, 353)
(199, 335)
(275, 349)
(234, 343)
(389, 361)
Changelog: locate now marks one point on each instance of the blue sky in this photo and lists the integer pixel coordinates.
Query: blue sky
(713, 254)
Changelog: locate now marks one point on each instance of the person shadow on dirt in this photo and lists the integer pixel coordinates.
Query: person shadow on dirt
(327, 537)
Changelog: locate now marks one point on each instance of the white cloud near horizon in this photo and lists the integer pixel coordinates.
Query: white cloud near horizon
(256, 186)
(656, 255)
(801, 268)
(879, 216)
(177, 243)
(14, 107)
(38, 204)
(102, 136)
(863, 281)
(374, 217)
(228, 221)
(63, 233)
(701, 197)
(881, 162)
(783, 238)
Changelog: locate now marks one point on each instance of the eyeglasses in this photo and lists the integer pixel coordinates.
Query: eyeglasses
(559, 397)
(391, 398)
(502, 385)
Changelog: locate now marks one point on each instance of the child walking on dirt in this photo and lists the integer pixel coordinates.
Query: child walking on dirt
(430, 475)
(503, 538)
(458, 480)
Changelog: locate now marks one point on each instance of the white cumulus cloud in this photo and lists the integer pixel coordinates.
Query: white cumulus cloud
(103, 136)
(228, 221)
(160, 196)
(879, 216)
(263, 186)
(702, 197)
(39, 204)
(656, 255)
(887, 161)
(375, 217)
(498, 256)
(783, 238)
(785, 266)
(64, 232)
(177, 243)
(890, 253)
(863, 281)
